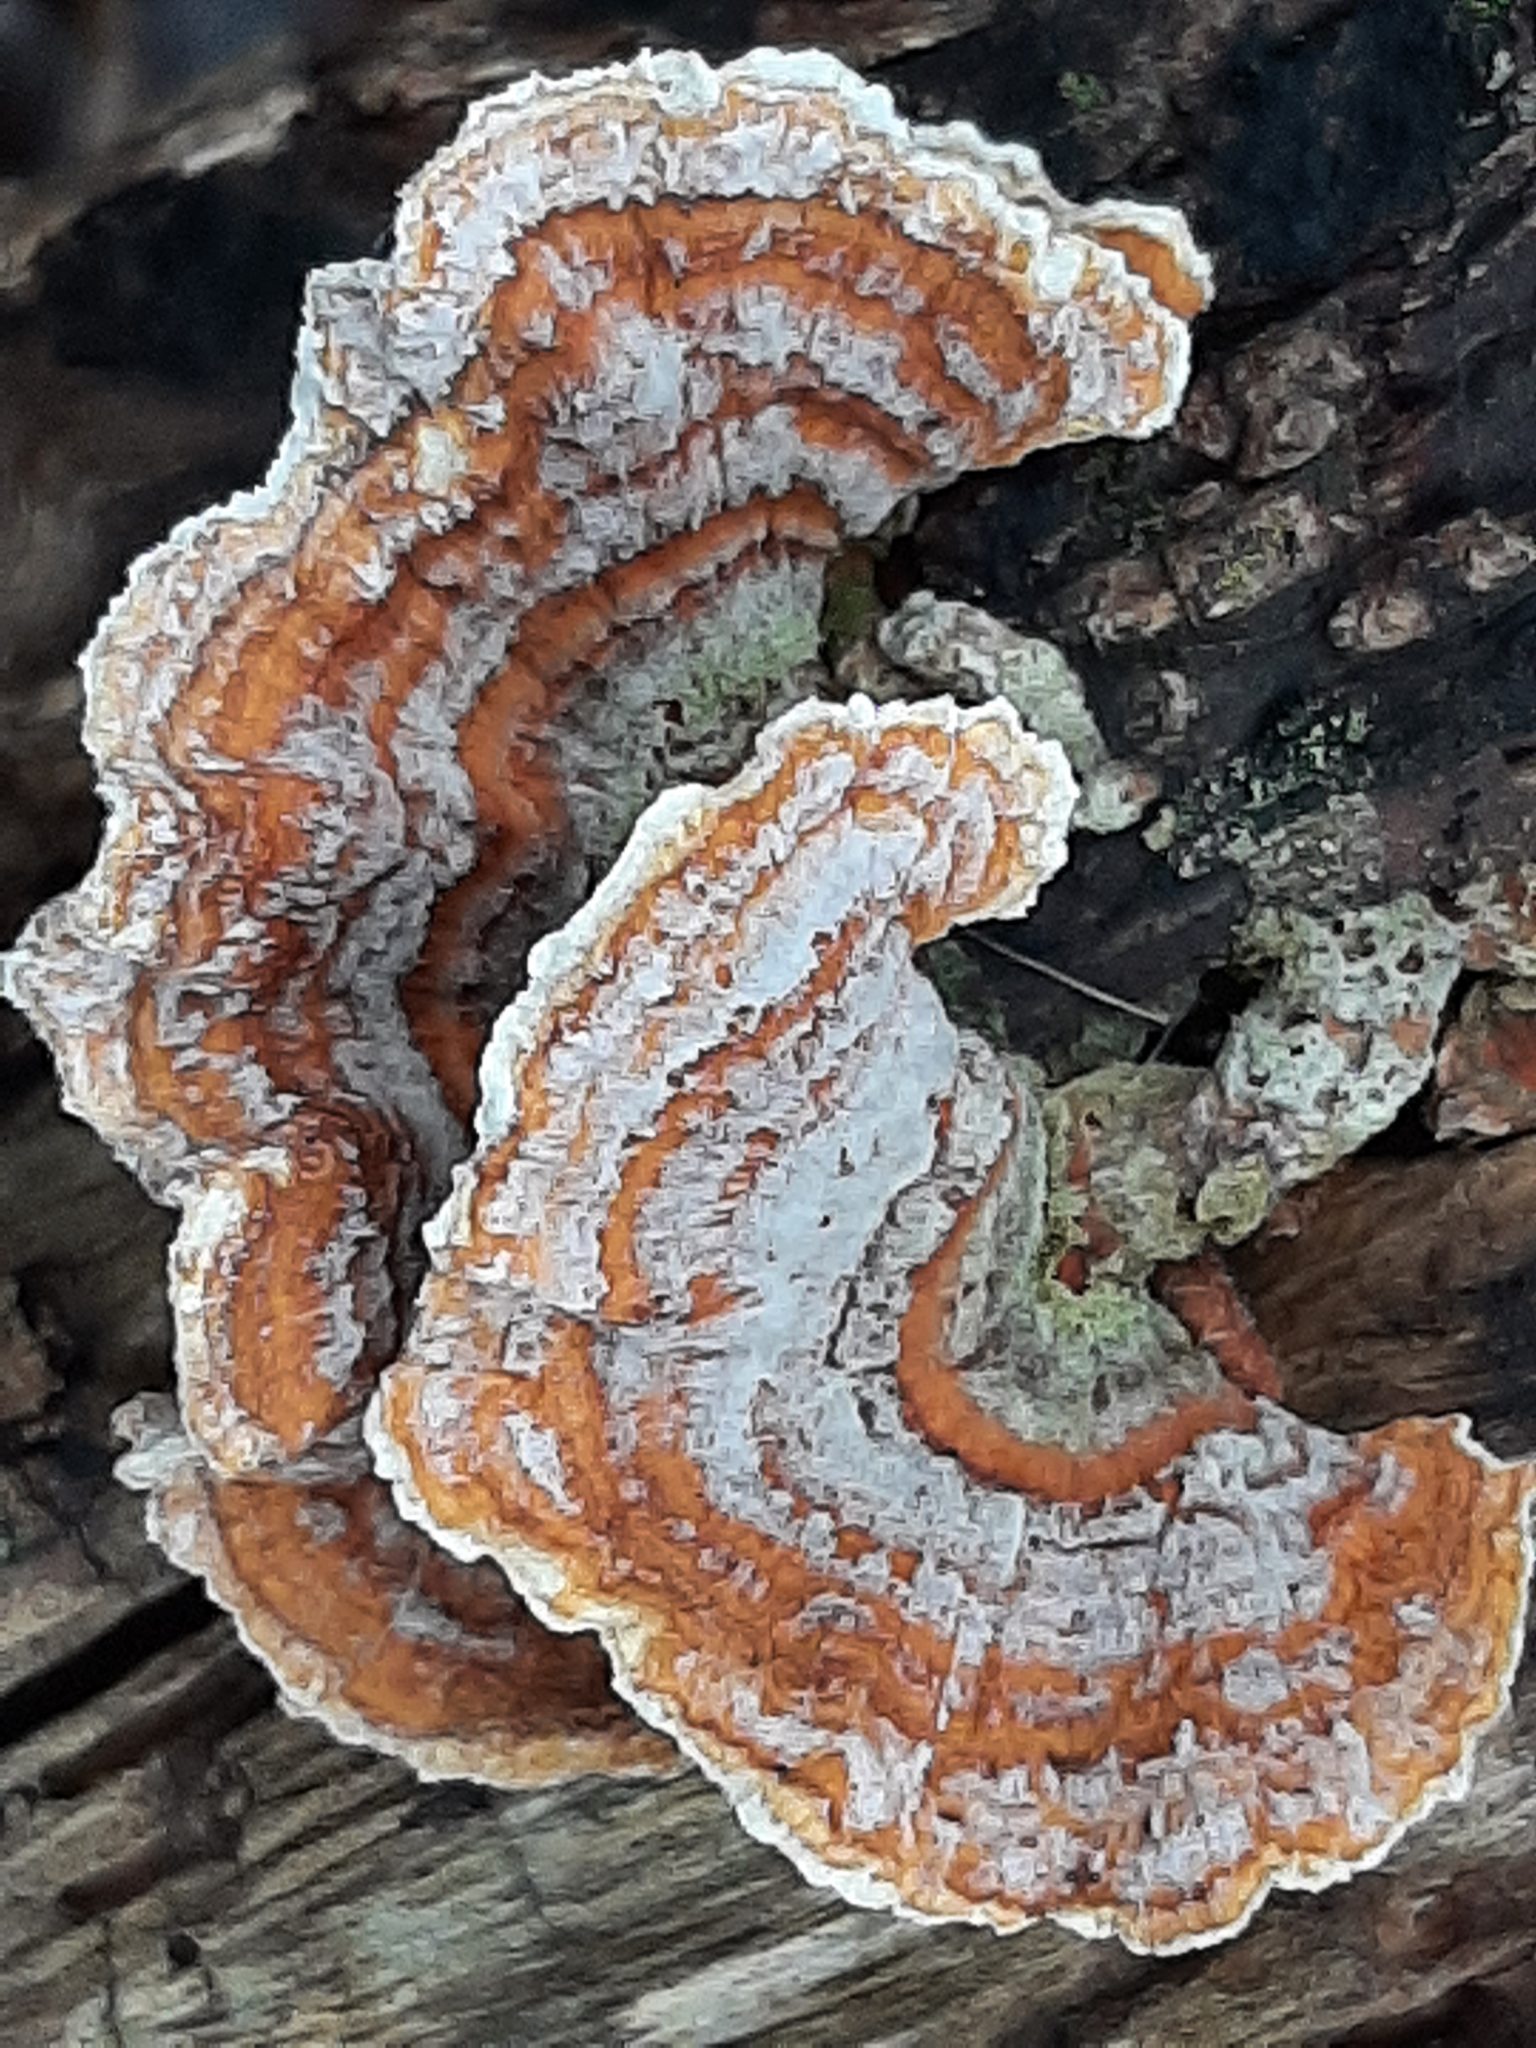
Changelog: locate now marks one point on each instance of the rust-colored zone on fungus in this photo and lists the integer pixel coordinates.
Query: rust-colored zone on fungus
(379, 1634)
(1172, 285)
(298, 632)
(1453, 1536)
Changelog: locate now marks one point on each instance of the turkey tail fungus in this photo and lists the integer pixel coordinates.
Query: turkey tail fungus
(546, 533)
(983, 1591)
(373, 1631)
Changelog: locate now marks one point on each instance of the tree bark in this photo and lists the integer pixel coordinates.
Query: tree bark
(1323, 580)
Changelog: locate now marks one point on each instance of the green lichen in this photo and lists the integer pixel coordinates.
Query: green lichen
(1238, 581)
(1131, 1167)
(1101, 1037)
(852, 608)
(1234, 1199)
(1055, 1362)
(1132, 1118)
(718, 704)
(689, 706)
(1310, 755)
(1112, 1330)
(1083, 91)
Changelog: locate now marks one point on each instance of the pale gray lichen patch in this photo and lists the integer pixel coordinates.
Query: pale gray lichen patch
(963, 650)
(1337, 1041)
(1353, 981)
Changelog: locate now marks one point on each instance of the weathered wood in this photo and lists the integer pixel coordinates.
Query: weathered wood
(251, 1882)
(1406, 1286)
(1325, 579)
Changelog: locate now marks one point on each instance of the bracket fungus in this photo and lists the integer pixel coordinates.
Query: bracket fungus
(651, 340)
(983, 1588)
(883, 1416)
(546, 532)
(373, 1631)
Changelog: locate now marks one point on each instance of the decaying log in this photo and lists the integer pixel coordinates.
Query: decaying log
(1324, 580)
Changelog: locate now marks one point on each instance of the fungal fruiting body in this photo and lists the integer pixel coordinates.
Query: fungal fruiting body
(885, 1419)
(561, 477)
(372, 1630)
(983, 1587)
(546, 534)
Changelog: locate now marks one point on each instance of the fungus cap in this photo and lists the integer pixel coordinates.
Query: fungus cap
(649, 341)
(373, 1631)
(984, 1588)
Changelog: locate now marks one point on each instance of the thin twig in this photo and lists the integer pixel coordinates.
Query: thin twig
(1071, 981)
(1153, 1054)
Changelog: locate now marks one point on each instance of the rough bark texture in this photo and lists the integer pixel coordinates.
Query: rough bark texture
(1324, 579)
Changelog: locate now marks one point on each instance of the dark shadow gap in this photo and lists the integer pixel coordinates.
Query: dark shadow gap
(103, 1662)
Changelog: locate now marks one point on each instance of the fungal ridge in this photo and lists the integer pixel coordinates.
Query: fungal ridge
(989, 1582)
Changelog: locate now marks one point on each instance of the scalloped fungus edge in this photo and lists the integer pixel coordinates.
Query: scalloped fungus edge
(983, 1592)
(561, 478)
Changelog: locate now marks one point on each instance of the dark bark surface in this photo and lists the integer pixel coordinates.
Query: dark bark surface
(1323, 579)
